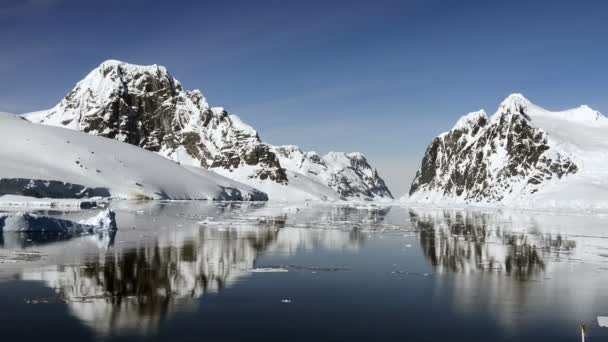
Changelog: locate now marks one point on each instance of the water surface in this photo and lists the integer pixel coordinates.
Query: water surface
(276, 272)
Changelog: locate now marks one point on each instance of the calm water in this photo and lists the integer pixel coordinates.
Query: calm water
(276, 272)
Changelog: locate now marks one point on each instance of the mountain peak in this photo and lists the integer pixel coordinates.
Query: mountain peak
(515, 103)
(518, 104)
(515, 97)
(112, 64)
(470, 119)
(115, 62)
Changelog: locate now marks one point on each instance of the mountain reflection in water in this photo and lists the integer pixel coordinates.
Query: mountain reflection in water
(168, 256)
(517, 267)
(460, 241)
(134, 284)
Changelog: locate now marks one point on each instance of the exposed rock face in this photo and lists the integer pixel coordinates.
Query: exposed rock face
(347, 173)
(145, 106)
(485, 159)
(43, 188)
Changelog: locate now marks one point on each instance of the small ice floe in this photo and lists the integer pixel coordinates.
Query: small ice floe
(209, 221)
(286, 301)
(407, 273)
(602, 321)
(26, 256)
(105, 220)
(269, 270)
(317, 269)
(27, 222)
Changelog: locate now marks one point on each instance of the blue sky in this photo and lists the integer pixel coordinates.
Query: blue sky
(380, 77)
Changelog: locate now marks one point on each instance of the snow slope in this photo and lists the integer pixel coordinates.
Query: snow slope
(45, 161)
(299, 188)
(349, 174)
(147, 107)
(522, 156)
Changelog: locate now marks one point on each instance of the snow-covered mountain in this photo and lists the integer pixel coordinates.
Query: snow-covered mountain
(523, 155)
(145, 106)
(348, 173)
(53, 162)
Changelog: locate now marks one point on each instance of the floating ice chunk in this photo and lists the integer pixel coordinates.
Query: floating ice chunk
(105, 220)
(602, 321)
(27, 222)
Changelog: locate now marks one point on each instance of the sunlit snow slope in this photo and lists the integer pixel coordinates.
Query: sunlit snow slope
(44, 161)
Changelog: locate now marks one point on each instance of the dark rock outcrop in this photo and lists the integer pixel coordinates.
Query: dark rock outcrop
(41, 188)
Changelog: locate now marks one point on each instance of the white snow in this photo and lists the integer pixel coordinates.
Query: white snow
(105, 220)
(467, 119)
(582, 135)
(46, 153)
(240, 125)
(300, 187)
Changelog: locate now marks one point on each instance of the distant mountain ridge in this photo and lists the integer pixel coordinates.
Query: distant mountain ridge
(350, 174)
(145, 106)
